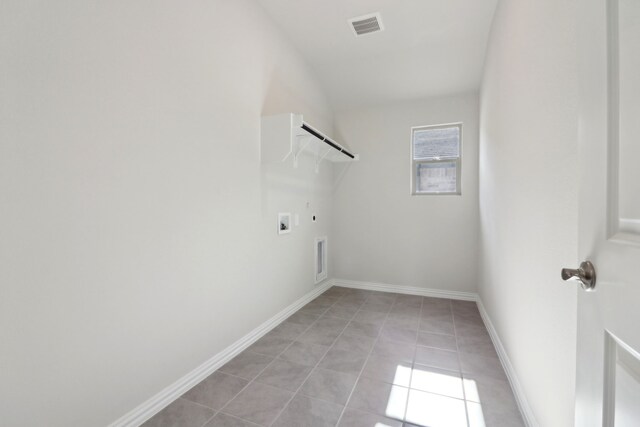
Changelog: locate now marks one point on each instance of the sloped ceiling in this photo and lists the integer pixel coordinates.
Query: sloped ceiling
(428, 48)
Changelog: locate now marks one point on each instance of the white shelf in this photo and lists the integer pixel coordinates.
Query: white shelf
(286, 136)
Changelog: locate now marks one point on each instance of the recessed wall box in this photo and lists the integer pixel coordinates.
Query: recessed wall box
(284, 223)
(320, 259)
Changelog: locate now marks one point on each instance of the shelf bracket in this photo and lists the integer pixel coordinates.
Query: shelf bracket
(320, 159)
(302, 148)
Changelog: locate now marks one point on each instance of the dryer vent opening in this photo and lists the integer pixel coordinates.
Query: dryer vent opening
(321, 259)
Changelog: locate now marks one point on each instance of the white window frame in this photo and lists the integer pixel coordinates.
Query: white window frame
(458, 161)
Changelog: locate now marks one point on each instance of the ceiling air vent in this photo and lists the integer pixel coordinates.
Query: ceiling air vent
(366, 24)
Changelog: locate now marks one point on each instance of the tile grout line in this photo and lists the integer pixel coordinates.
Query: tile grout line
(386, 322)
(267, 366)
(344, 409)
(464, 393)
(215, 412)
(459, 372)
(212, 417)
(341, 334)
(315, 366)
(198, 404)
(251, 423)
(332, 370)
(413, 363)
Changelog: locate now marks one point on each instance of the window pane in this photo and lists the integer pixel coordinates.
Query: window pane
(436, 177)
(434, 144)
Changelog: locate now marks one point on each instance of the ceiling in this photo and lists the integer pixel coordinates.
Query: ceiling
(428, 47)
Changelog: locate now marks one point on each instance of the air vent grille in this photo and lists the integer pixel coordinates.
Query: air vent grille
(366, 24)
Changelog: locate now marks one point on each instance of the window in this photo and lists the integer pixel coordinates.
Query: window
(435, 159)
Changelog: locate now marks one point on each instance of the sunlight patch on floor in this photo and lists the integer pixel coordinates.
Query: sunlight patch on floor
(435, 398)
(396, 402)
(476, 417)
(437, 382)
(402, 375)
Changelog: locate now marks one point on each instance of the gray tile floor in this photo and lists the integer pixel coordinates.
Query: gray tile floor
(355, 358)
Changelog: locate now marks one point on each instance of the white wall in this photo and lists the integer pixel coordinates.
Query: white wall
(138, 228)
(383, 234)
(528, 197)
(629, 110)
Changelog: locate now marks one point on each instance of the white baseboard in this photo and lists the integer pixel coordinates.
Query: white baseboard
(523, 404)
(409, 290)
(155, 404)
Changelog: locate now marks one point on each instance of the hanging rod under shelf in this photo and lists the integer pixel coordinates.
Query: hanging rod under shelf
(326, 140)
(287, 135)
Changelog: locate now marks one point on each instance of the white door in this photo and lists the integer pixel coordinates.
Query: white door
(608, 359)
